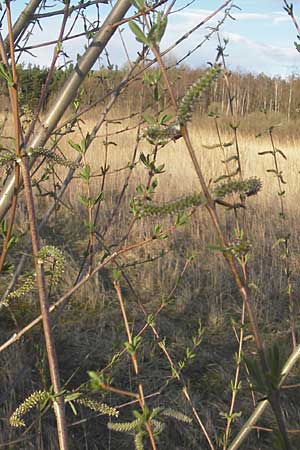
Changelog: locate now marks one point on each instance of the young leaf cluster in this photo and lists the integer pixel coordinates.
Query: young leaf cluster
(155, 33)
(266, 383)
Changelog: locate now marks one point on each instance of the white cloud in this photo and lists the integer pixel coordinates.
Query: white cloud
(198, 14)
(263, 49)
(259, 57)
(256, 52)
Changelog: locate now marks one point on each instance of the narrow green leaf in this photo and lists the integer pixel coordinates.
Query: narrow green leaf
(139, 35)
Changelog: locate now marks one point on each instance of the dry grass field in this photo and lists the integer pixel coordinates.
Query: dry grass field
(205, 292)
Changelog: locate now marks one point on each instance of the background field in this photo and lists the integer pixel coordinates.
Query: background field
(89, 331)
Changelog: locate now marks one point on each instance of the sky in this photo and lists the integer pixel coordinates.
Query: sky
(261, 39)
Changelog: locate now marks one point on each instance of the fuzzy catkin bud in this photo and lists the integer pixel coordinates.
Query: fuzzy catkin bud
(187, 103)
(16, 419)
(53, 157)
(101, 408)
(178, 415)
(138, 441)
(248, 187)
(6, 157)
(124, 426)
(24, 289)
(56, 254)
(150, 209)
(161, 135)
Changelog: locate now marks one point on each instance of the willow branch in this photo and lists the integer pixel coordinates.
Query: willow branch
(68, 92)
(259, 410)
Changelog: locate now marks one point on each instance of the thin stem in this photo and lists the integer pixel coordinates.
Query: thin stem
(13, 93)
(72, 9)
(241, 285)
(58, 403)
(257, 413)
(40, 275)
(80, 283)
(290, 10)
(285, 237)
(134, 362)
(236, 380)
(50, 71)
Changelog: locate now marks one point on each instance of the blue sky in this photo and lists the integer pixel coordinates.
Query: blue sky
(261, 39)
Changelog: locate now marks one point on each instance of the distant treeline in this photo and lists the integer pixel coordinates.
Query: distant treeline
(250, 93)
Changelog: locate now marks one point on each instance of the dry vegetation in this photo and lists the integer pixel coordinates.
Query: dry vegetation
(162, 286)
(205, 292)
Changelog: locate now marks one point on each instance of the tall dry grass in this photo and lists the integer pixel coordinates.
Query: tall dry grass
(206, 291)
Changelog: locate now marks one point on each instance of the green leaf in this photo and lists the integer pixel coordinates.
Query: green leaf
(76, 147)
(84, 200)
(145, 160)
(156, 231)
(6, 74)
(225, 177)
(159, 169)
(85, 174)
(73, 408)
(98, 198)
(162, 23)
(139, 35)
(181, 219)
(156, 93)
(139, 4)
(149, 119)
(150, 319)
(70, 396)
(228, 144)
(297, 46)
(116, 273)
(164, 118)
(163, 236)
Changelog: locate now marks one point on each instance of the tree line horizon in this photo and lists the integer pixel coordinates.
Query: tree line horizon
(251, 92)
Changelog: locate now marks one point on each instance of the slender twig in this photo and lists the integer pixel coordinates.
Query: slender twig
(40, 275)
(230, 419)
(290, 10)
(262, 405)
(13, 93)
(23, 21)
(285, 237)
(242, 287)
(68, 93)
(71, 10)
(84, 280)
(134, 363)
(50, 71)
